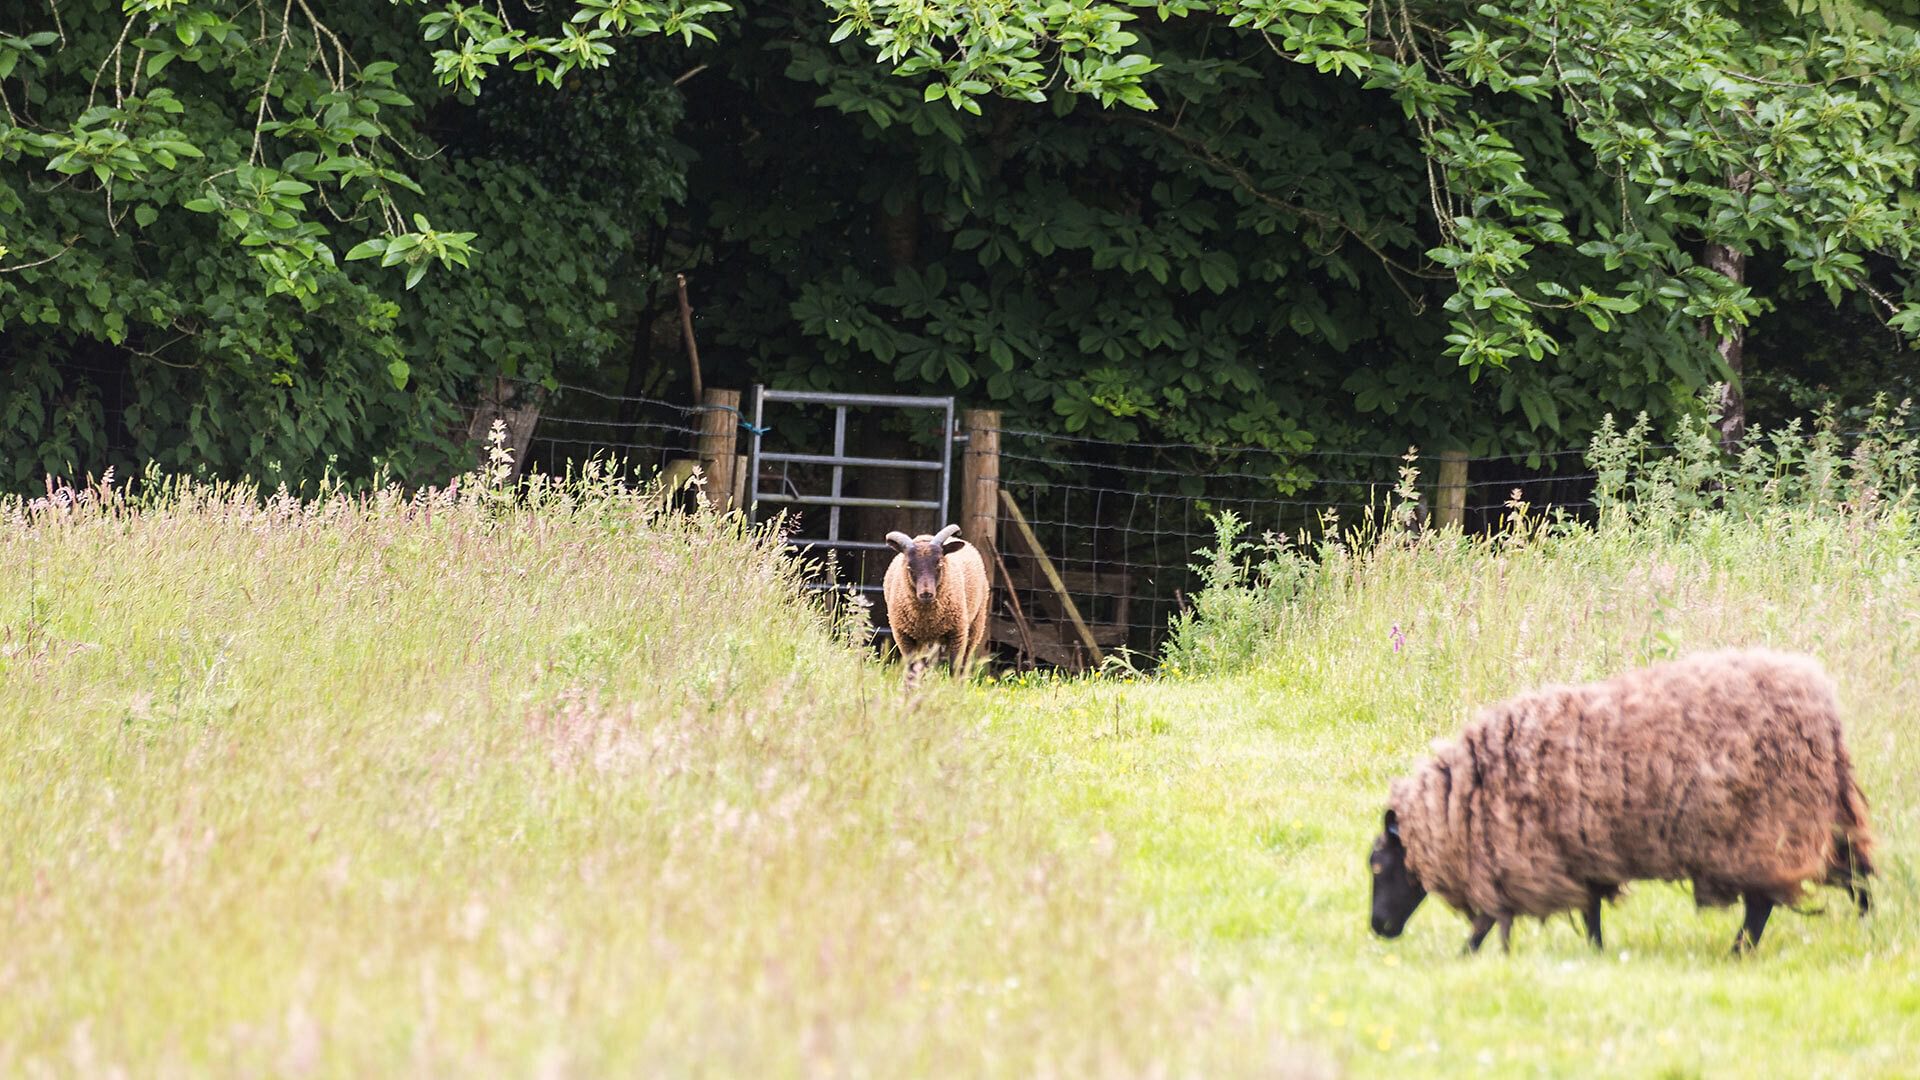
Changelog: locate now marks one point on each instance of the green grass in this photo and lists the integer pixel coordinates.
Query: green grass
(578, 785)
(1243, 806)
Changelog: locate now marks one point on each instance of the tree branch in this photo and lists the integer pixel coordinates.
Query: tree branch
(1246, 182)
(260, 117)
(64, 248)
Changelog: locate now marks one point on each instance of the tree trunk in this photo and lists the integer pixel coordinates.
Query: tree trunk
(639, 362)
(1732, 265)
(640, 358)
(515, 406)
(900, 232)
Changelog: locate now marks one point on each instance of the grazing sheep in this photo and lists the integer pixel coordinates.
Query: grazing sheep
(936, 599)
(1725, 768)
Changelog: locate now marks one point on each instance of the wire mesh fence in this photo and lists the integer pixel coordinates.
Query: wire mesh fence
(578, 422)
(1120, 525)
(1096, 540)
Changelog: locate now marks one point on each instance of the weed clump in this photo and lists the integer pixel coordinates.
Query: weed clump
(1652, 504)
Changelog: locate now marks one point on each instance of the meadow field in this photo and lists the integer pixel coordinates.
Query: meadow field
(566, 782)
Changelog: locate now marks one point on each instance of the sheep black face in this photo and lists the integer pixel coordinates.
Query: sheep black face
(1396, 892)
(925, 559)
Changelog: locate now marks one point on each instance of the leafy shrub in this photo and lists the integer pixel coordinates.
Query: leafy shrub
(1242, 602)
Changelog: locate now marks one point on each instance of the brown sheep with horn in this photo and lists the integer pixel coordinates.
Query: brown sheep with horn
(1728, 769)
(937, 598)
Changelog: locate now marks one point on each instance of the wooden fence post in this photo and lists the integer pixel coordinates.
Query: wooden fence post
(719, 430)
(980, 479)
(1450, 493)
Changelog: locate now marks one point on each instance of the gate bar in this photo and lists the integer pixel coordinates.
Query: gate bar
(852, 500)
(946, 467)
(839, 461)
(898, 401)
(839, 471)
(852, 462)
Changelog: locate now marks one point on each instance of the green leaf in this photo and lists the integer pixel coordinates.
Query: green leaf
(144, 215)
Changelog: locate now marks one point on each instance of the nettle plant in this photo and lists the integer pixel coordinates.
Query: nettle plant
(1819, 469)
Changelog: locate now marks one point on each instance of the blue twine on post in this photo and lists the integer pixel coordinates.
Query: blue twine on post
(751, 429)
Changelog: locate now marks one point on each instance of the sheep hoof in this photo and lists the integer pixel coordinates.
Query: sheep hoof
(1758, 908)
(1482, 925)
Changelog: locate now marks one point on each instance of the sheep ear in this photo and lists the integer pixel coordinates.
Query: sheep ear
(941, 538)
(900, 542)
(1393, 824)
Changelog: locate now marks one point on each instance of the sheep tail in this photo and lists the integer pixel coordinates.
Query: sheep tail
(1852, 860)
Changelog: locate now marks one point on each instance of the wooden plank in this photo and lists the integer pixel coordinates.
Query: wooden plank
(1026, 574)
(1042, 635)
(1053, 576)
(1066, 657)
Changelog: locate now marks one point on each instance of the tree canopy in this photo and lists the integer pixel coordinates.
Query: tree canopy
(234, 236)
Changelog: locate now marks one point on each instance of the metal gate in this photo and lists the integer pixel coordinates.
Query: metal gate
(786, 493)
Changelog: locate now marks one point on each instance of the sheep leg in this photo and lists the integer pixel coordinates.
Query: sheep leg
(1856, 870)
(955, 645)
(1593, 919)
(914, 655)
(977, 637)
(1506, 933)
(929, 656)
(1759, 906)
(1482, 924)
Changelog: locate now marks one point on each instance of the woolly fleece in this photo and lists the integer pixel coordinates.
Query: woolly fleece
(1725, 768)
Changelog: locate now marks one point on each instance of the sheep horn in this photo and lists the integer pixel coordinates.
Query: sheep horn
(940, 538)
(900, 542)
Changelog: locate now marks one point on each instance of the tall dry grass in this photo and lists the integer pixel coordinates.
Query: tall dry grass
(560, 781)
